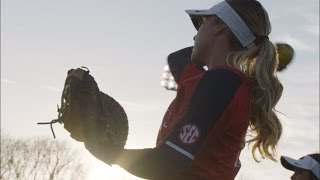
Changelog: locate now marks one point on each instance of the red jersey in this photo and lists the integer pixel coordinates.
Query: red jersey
(207, 122)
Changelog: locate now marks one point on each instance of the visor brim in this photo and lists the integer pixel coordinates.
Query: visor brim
(199, 12)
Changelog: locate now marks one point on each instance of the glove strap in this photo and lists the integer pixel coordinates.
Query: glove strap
(52, 122)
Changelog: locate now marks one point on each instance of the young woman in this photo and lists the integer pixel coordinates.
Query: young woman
(204, 129)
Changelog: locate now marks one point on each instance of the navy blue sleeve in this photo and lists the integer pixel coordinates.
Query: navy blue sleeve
(211, 98)
(214, 93)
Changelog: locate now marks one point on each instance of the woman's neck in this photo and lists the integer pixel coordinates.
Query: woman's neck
(217, 59)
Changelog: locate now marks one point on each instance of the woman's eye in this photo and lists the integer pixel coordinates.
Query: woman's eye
(202, 20)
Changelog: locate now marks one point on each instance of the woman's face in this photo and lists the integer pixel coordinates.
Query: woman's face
(203, 40)
(301, 174)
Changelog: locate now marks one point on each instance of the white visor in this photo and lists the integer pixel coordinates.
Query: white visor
(306, 162)
(231, 18)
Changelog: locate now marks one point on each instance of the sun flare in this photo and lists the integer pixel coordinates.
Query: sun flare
(101, 171)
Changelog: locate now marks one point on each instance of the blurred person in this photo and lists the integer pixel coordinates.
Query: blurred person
(305, 168)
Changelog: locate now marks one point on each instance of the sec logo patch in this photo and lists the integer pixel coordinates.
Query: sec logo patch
(189, 134)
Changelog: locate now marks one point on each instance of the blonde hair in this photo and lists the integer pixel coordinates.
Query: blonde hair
(259, 64)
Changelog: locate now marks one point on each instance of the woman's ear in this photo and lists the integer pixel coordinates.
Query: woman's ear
(220, 28)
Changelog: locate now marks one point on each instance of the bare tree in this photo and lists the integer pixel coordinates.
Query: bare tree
(39, 158)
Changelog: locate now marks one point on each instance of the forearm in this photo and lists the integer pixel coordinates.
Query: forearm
(135, 162)
(150, 163)
(157, 163)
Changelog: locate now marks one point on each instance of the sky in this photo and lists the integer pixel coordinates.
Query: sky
(125, 44)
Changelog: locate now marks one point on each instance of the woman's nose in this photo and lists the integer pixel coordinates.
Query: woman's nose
(194, 38)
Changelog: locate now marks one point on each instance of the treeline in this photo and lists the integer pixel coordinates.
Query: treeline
(40, 158)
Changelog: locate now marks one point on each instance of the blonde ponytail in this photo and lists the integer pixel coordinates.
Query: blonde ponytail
(259, 63)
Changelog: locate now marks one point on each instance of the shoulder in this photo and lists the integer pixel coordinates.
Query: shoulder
(225, 72)
(223, 76)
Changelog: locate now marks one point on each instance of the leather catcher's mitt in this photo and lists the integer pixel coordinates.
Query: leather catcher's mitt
(88, 113)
